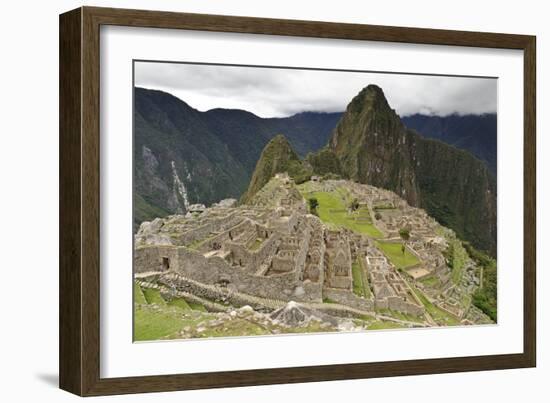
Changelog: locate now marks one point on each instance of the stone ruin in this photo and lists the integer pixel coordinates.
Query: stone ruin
(274, 250)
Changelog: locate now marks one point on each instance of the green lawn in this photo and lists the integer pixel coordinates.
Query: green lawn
(395, 254)
(164, 323)
(360, 283)
(332, 209)
(180, 303)
(139, 298)
(154, 325)
(431, 281)
(164, 319)
(153, 296)
(196, 306)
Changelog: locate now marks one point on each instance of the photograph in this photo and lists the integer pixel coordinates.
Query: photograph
(271, 200)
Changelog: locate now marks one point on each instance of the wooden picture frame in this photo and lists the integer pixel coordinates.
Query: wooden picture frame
(79, 280)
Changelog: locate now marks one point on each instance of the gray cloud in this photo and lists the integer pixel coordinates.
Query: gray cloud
(270, 92)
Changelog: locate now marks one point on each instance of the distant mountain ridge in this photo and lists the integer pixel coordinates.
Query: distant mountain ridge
(183, 156)
(474, 133)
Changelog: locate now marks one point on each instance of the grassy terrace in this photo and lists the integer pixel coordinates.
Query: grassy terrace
(256, 244)
(153, 296)
(431, 281)
(439, 315)
(156, 318)
(360, 282)
(197, 243)
(382, 324)
(401, 315)
(457, 257)
(333, 210)
(139, 298)
(394, 253)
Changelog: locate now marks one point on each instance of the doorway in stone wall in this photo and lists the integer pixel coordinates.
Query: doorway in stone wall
(165, 263)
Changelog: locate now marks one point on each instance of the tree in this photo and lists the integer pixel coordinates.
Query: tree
(313, 204)
(377, 215)
(405, 235)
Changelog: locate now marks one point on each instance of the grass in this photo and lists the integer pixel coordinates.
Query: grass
(164, 322)
(401, 315)
(196, 306)
(360, 286)
(168, 321)
(153, 325)
(486, 297)
(395, 254)
(382, 324)
(155, 318)
(153, 296)
(437, 314)
(430, 281)
(457, 256)
(332, 210)
(328, 300)
(196, 244)
(180, 303)
(256, 245)
(139, 298)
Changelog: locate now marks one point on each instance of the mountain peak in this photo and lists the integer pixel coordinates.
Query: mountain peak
(373, 146)
(276, 157)
(370, 97)
(279, 139)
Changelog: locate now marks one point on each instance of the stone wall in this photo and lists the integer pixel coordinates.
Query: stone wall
(153, 258)
(300, 258)
(398, 304)
(214, 270)
(205, 230)
(345, 297)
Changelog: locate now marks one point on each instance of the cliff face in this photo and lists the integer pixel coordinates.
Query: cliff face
(183, 156)
(374, 147)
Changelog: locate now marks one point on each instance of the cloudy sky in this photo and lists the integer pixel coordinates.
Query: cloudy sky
(277, 92)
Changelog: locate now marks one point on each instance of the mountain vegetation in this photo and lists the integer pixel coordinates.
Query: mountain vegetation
(373, 146)
(474, 133)
(183, 156)
(277, 156)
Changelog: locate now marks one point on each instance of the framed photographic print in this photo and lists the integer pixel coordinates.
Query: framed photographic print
(251, 201)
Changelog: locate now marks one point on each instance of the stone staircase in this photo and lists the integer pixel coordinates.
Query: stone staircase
(210, 306)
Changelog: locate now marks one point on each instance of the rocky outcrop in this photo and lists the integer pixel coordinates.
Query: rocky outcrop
(297, 315)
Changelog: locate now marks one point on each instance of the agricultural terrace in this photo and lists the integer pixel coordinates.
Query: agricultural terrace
(333, 210)
(394, 252)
